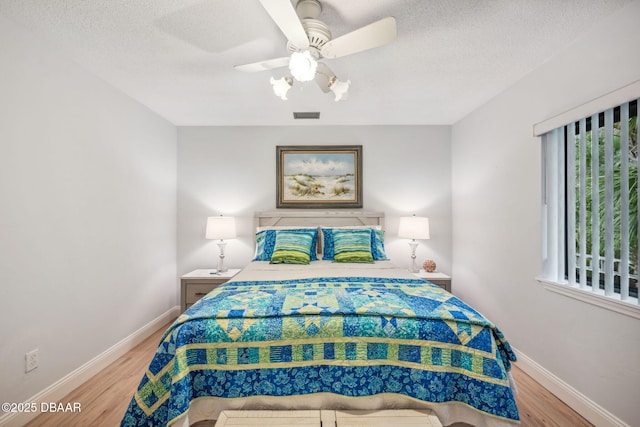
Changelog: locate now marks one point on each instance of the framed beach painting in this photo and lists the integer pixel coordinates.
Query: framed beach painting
(321, 176)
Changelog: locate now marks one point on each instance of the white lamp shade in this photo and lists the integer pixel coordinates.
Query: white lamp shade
(221, 228)
(414, 227)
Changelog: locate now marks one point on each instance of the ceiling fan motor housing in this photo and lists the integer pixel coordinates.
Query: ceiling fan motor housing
(317, 31)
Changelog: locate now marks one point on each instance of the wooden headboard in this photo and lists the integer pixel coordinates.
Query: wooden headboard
(313, 218)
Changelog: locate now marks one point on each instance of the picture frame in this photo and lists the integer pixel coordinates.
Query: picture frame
(319, 176)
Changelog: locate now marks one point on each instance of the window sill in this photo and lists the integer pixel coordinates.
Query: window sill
(629, 307)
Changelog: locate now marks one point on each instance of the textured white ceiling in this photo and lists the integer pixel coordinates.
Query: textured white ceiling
(177, 57)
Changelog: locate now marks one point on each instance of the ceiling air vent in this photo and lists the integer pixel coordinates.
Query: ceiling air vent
(306, 115)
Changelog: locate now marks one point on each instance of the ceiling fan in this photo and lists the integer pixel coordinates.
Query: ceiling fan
(310, 40)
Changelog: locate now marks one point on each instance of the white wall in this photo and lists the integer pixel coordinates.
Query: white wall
(231, 171)
(88, 210)
(497, 228)
(87, 214)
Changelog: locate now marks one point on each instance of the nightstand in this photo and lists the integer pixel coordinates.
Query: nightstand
(198, 283)
(436, 278)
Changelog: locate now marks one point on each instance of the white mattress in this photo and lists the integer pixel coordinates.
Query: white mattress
(262, 270)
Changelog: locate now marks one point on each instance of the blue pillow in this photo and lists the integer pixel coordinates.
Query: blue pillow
(377, 243)
(266, 240)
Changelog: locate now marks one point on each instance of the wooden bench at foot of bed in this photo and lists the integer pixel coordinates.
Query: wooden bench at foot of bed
(329, 418)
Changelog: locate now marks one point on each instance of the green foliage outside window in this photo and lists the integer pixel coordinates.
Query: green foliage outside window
(632, 156)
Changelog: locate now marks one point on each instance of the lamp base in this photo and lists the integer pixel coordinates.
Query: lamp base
(221, 266)
(414, 265)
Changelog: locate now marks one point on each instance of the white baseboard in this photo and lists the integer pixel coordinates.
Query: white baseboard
(58, 390)
(590, 410)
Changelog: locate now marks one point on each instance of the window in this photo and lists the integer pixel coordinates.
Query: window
(601, 203)
(590, 204)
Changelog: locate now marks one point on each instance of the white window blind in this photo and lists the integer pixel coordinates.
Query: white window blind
(590, 201)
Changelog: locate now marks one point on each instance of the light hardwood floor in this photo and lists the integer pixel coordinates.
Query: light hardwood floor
(105, 397)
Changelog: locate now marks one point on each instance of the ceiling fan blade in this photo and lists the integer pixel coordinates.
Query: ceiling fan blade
(284, 15)
(373, 35)
(323, 76)
(269, 64)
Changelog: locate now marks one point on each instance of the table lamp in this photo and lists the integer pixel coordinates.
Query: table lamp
(414, 228)
(221, 228)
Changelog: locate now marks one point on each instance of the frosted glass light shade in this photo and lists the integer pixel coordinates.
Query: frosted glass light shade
(221, 228)
(303, 66)
(414, 227)
(339, 88)
(282, 86)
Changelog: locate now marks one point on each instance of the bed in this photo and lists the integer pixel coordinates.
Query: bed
(327, 334)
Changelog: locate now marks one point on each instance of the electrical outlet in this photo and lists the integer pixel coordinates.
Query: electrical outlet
(31, 360)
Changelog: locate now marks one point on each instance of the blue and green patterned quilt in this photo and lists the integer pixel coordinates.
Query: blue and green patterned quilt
(352, 336)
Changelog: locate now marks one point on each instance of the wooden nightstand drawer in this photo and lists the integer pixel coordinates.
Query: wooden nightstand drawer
(195, 291)
(444, 284)
(437, 278)
(198, 283)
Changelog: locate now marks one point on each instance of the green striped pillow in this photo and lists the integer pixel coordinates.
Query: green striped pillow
(352, 245)
(292, 247)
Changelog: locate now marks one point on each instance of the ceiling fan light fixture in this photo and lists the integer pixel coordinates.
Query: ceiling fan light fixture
(309, 40)
(282, 86)
(303, 66)
(339, 88)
